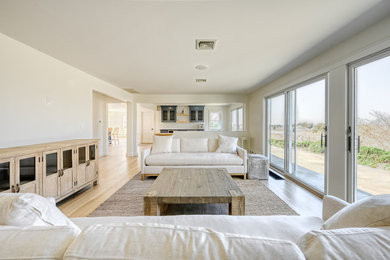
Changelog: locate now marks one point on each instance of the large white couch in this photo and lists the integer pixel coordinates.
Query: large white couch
(194, 153)
(364, 234)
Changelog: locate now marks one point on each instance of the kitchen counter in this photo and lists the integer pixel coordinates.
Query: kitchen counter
(173, 130)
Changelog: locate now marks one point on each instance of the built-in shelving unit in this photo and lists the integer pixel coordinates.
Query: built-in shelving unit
(52, 170)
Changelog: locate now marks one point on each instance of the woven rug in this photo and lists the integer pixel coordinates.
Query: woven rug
(128, 201)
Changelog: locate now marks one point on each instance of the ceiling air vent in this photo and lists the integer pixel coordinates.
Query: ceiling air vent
(200, 80)
(205, 44)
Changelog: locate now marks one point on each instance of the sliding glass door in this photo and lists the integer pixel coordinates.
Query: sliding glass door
(276, 140)
(369, 131)
(297, 136)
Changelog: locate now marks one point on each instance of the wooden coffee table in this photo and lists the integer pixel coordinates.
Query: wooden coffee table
(193, 186)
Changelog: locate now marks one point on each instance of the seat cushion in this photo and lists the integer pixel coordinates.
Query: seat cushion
(31, 242)
(176, 159)
(162, 241)
(290, 228)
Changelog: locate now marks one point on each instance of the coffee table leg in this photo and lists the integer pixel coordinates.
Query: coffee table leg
(237, 206)
(150, 206)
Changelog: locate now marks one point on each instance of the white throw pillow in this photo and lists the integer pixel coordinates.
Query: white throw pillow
(163, 241)
(176, 145)
(227, 144)
(347, 243)
(194, 145)
(29, 209)
(373, 211)
(213, 145)
(35, 242)
(162, 144)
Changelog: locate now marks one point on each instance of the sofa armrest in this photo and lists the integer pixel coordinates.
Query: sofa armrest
(331, 205)
(144, 154)
(244, 155)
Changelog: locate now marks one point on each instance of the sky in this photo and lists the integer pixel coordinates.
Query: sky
(373, 94)
(373, 87)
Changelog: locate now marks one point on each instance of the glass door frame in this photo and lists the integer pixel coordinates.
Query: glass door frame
(268, 129)
(352, 135)
(287, 138)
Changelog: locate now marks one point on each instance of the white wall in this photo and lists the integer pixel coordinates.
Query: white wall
(334, 62)
(43, 99)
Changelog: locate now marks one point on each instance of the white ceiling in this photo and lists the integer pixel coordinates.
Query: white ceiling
(149, 46)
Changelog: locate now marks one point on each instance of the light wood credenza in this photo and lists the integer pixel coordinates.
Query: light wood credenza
(56, 169)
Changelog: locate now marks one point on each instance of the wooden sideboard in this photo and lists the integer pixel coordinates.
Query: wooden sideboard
(56, 169)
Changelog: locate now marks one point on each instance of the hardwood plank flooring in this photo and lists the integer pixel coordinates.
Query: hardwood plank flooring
(117, 169)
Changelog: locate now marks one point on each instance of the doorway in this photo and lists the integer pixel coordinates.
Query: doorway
(147, 127)
(117, 124)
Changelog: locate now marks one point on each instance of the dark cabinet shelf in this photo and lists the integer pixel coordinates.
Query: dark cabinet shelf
(196, 113)
(168, 114)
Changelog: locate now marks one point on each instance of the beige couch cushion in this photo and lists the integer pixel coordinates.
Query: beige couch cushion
(161, 144)
(373, 211)
(194, 145)
(227, 144)
(35, 242)
(175, 159)
(213, 145)
(347, 243)
(159, 241)
(290, 228)
(176, 145)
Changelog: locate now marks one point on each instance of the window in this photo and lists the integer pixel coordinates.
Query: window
(237, 119)
(369, 127)
(215, 121)
(296, 132)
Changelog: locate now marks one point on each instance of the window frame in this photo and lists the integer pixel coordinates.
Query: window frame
(220, 123)
(236, 110)
(352, 115)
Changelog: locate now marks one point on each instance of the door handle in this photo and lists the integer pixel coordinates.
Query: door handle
(322, 136)
(358, 140)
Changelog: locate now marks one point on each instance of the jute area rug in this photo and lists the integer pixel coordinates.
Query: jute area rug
(128, 201)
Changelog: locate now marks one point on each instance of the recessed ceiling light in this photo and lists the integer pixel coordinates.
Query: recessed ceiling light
(205, 44)
(201, 80)
(201, 67)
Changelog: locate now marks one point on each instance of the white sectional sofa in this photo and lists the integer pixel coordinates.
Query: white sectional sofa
(193, 153)
(357, 231)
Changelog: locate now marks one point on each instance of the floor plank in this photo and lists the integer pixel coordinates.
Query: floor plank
(117, 169)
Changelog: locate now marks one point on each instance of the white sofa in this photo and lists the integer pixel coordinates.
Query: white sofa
(197, 236)
(194, 153)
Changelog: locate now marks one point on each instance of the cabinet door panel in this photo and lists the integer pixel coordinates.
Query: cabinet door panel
(66, 182)
(50, 173)
(90, 173)
(81, 171)
(7, 175)
(51, 186)
(27, 173)
(30, 187)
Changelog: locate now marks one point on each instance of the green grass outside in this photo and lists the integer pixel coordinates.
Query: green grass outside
(369, 156)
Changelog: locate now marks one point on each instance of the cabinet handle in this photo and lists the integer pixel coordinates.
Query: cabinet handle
(13, 189)
(17, 188)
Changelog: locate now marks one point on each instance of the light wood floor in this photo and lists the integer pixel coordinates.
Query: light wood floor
(116, 170)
